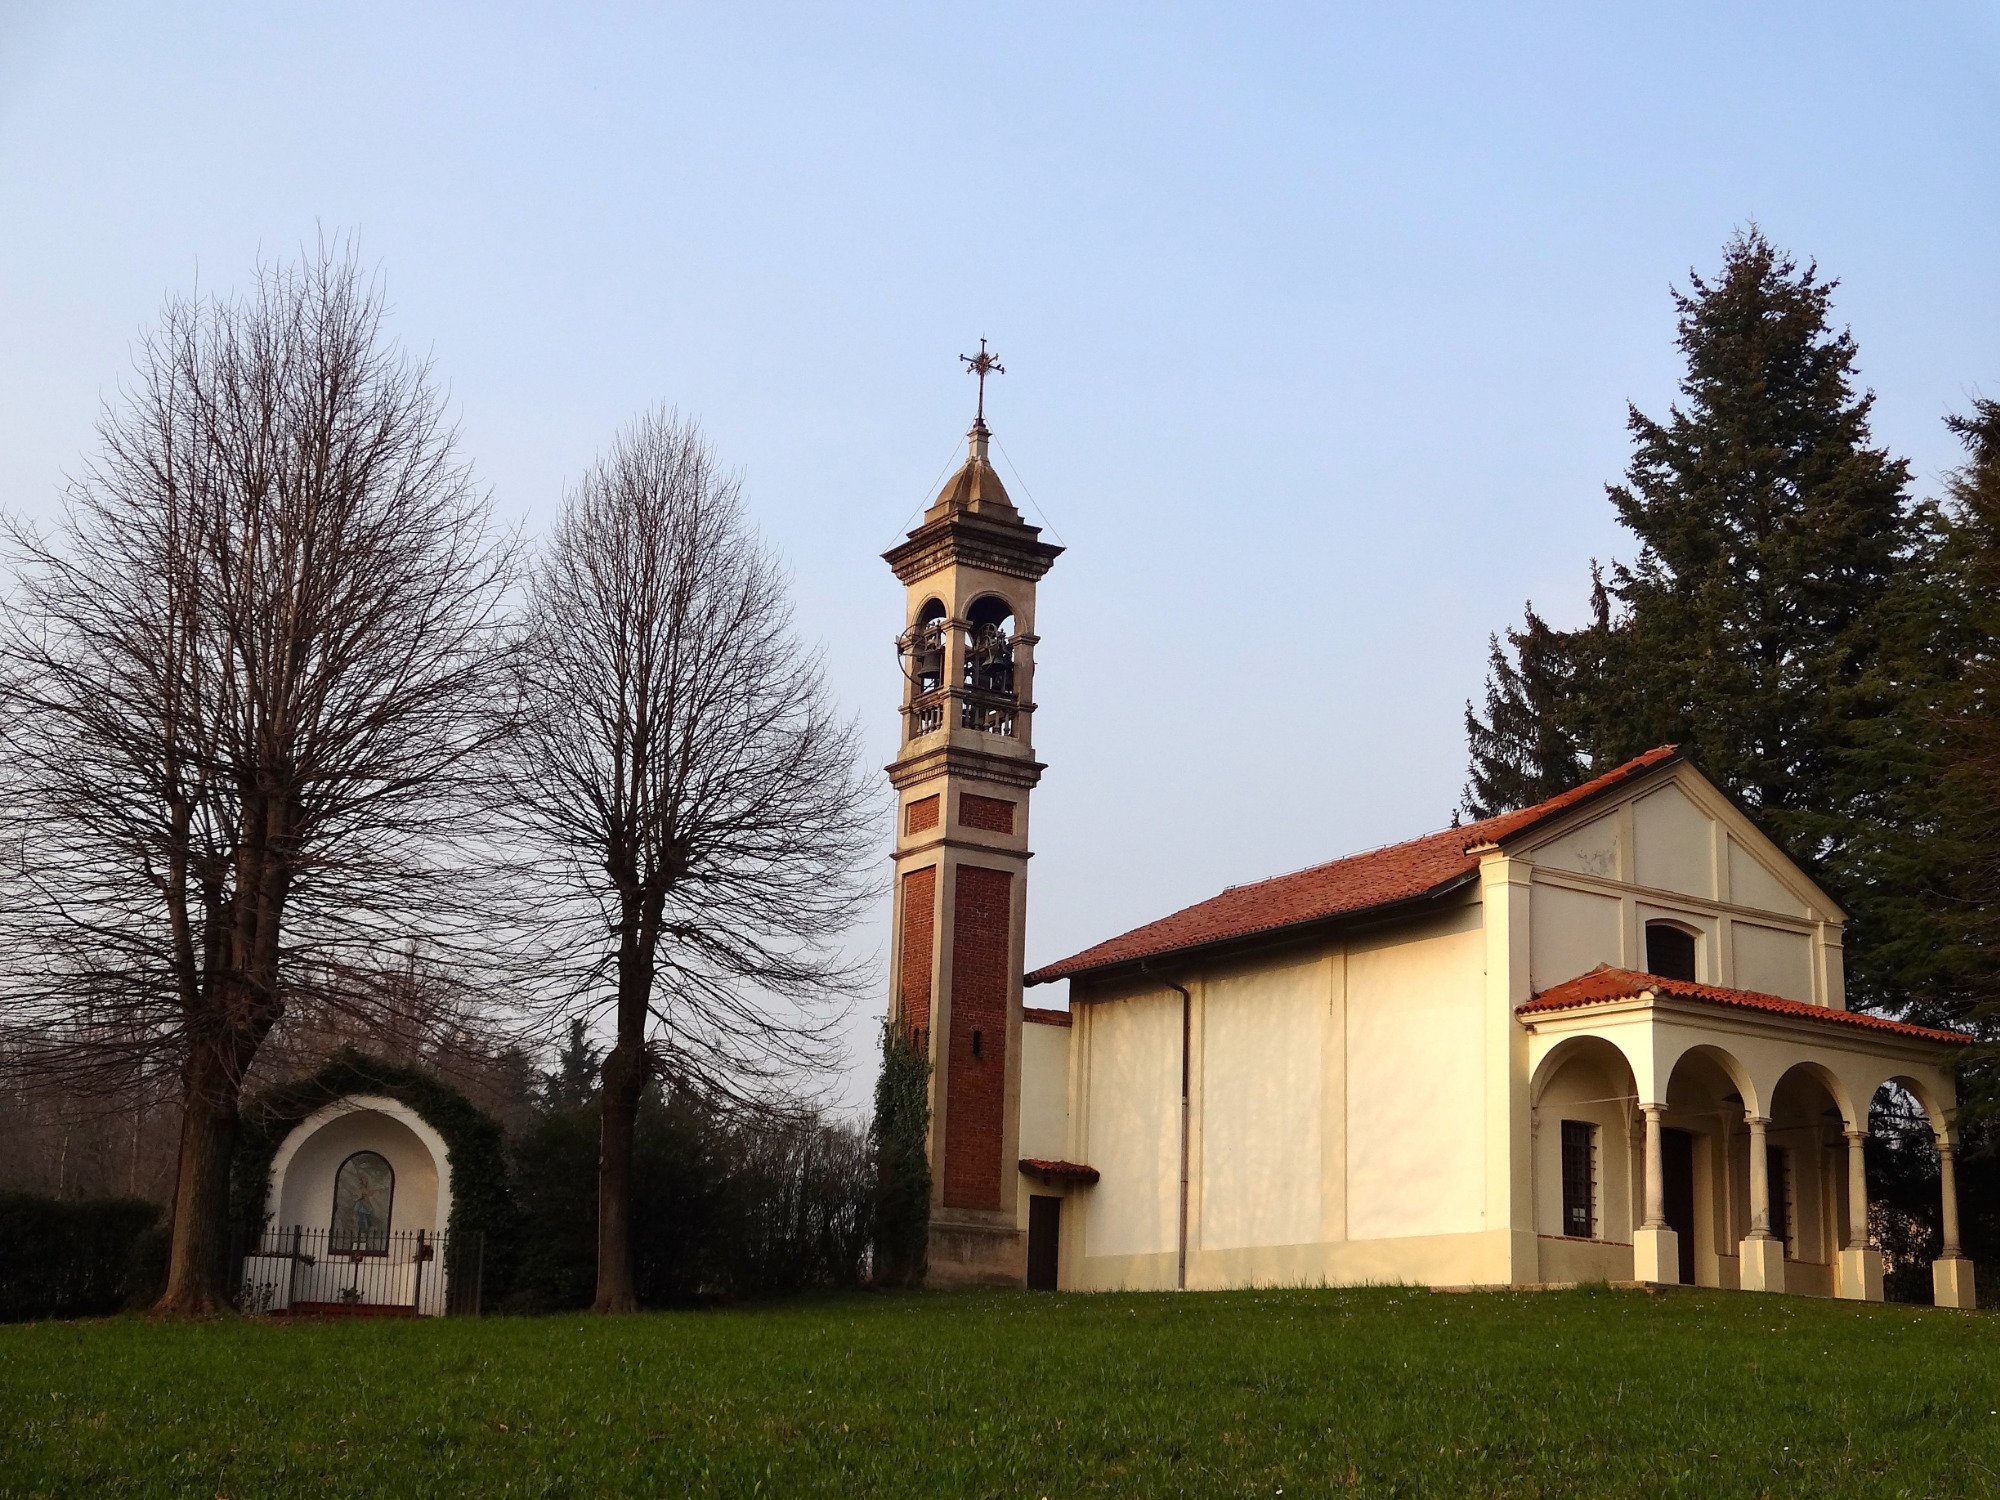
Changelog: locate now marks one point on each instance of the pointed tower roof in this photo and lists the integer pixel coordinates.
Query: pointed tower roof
(972, 520)
(975, 489)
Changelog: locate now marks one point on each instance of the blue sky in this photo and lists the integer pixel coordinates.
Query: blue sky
(1319, 321)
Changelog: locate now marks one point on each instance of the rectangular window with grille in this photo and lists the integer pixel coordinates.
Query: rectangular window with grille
(1777, 1164)
(1579, 1169)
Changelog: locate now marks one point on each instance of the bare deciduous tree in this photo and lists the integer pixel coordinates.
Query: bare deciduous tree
(692, 800)
(246, 676)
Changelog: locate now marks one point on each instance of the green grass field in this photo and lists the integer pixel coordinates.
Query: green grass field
(1370, 1392)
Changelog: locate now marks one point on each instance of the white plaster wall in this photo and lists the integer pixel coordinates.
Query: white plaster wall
(1589, 850)
(1775, 962)
(1752, 884)
(1045, 1091)
(1572, 932)
(1132, 1125)
(1671, 844)
(303, 1195)
(1416, 1086)
(1260, 1107)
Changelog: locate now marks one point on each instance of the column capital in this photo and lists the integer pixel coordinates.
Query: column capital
(1854, 1134)
(1652, 1111)
(1946, 1145)
(1756, 1122)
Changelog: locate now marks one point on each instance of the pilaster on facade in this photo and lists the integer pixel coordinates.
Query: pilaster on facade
(1506, 889)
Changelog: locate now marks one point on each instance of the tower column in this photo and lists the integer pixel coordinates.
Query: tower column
(963, 774)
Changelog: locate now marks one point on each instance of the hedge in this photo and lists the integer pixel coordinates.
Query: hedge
(75, 1259)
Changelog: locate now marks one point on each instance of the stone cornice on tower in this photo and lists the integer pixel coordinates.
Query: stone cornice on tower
(1016, 550)
(957, 760)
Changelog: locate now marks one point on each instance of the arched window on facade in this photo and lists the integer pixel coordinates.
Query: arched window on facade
(364, 1191)
(989, 666)
(1670, 950)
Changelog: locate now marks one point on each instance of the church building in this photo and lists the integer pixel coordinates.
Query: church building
(1600, 1039)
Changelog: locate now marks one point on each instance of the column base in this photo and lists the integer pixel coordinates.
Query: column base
(1762, 1264)
(1656, 1256)
(978, 1251)
(1860, 1276)
(1951, 1282)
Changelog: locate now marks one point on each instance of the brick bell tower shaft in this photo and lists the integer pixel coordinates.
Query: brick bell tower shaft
(962, 775)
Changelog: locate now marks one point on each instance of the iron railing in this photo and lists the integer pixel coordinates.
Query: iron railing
(412, 1273)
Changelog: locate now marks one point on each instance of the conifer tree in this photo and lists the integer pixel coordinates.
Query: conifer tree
(1777, 618)
(1962, 835)
(1525, 749)
(1973, 758)
(1771, 532)
(898, 1136)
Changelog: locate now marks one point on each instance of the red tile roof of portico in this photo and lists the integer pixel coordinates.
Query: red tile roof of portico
(1604, 984)
(1426, 866)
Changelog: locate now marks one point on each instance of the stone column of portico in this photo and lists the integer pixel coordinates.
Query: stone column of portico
(1656, 1249)
(1762, 1262)
(1860, 1267)
(1951, 1272)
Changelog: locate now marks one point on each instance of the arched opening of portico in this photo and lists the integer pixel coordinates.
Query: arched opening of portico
(1806, 1172)
(1586, 1140)
(1906, 1191)
(1707, 1102)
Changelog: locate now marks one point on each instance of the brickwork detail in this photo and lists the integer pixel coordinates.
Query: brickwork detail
(994, 814)
(976, 1087)
(921, 814)
(919, 926)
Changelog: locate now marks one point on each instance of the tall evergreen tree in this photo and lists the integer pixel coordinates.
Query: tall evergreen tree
(1773, 619)
(1771, 532)
(1526, 748)
(1965, 800)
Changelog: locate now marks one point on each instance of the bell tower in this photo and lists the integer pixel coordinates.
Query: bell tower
(963, 771)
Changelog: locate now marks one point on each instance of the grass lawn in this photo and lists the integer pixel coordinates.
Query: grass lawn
(1371, 1392)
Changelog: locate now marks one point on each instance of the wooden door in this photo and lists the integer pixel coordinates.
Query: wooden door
(1677, 1165)
(1044, 1235)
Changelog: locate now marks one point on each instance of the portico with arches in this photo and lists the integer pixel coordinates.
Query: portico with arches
(1674, 1144)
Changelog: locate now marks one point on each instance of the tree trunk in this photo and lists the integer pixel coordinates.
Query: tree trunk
(198, 1256)
(618, 1119)
(618, 1104)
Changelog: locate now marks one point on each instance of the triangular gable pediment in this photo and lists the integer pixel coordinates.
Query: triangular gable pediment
(1675, 831)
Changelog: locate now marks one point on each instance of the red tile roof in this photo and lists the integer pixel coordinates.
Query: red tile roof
(1059, 1171)
(1045, 1017)
(1604, 984)
(1362, 882)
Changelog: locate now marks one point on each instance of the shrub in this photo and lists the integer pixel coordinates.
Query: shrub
(721, 1208)
(75, 1259)
(900, 1140)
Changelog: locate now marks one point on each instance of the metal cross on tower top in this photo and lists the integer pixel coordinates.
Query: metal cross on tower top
(982, 365)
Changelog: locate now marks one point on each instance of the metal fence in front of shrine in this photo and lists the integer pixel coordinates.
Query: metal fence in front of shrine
(408, 1273)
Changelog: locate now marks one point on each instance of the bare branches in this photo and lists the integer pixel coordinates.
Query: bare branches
(691, 801)
(247, 684)
(679, 772)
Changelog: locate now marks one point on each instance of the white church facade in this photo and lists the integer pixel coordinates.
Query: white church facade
(1604, 1038)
